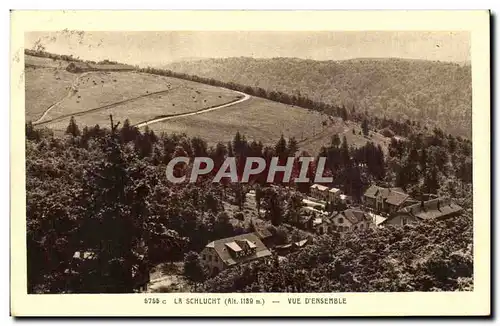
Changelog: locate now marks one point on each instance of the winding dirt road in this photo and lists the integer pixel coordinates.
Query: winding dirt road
(141, 124)
(181, 115)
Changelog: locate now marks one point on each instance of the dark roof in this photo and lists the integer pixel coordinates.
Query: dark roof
(393, 196)
(396, 198)
(262, 232)
(250, 242)
(355, 215)
(435, 208)
(372, 191)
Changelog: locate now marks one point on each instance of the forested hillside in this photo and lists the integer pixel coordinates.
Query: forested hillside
(104, 191)
(436, 94)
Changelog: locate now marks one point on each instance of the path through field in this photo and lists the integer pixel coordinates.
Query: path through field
(181, 115)
(72, 89)
(104, 107)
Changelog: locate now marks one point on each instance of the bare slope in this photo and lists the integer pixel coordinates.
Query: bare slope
(54, 95)
(44, 87)
(266, 121)
(92, 96)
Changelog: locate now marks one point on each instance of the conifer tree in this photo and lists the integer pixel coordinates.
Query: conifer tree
(72, 128)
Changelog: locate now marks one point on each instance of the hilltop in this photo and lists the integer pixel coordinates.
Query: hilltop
(59, 87)
(436, 94)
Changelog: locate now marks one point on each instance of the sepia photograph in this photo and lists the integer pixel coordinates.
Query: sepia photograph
(171, 163)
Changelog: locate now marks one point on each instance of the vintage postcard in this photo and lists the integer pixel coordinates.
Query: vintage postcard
(250, 163)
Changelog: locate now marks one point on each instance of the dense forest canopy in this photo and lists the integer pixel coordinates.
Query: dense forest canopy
(433, 256)
(436, 94)
(104, 190)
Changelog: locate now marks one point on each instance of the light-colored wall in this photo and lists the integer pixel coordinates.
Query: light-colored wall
(370, 202)
(210, 259)
(334, 197)
(345, 223)
(316, 193)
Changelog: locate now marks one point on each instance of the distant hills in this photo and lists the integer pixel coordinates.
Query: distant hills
(434, 93)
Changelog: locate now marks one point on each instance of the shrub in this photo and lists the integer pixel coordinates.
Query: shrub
(239, 216)
(387, 132)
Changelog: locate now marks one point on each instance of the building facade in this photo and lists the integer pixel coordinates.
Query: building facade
(224, 253)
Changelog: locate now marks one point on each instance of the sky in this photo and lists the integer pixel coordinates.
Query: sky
(156, 48)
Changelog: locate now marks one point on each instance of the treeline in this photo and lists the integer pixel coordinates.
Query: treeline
(397, 127)
(70, 58)
(44, 54)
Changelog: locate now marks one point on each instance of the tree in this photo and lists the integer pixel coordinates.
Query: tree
(193, 269)
(223, 227)
(345, 152)
(258, 198)
(31, 132)
(335, 141)
(293, 146)
(431, 182)
(115, 191)
(364, 127)
(239, 145)
(281, 148)
(72, 128)
(293, 208)
(127, 132)
(239, 195)
(273, 206)
(343, 113)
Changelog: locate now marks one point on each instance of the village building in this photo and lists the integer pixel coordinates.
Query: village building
(386, 200)
(324, 225)
(334, 195)
(319, 192)
(439, 208)
(305, 221)
(351, 219)
(290, 247)
(224, 253)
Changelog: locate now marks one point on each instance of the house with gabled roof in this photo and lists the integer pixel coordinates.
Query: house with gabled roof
(386, 200)
(351, 219)
(438, 208)
(228, 252)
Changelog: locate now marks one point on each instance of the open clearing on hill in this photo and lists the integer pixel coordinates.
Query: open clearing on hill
(266, 121)
(44, 87)
(136, 96)
(92, 96)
